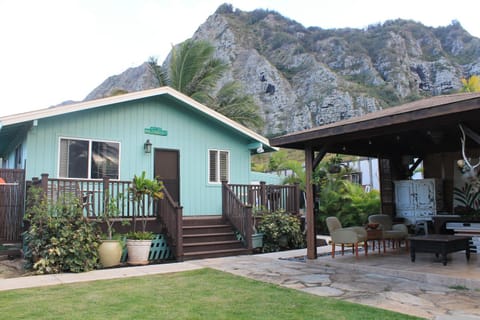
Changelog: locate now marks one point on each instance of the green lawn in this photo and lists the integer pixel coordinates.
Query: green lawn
(200, 294)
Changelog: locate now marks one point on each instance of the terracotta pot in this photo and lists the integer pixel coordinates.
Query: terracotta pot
(110, 253)
(138, 251)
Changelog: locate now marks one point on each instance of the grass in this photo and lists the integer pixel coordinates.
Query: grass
(199, 294)
(458, 287)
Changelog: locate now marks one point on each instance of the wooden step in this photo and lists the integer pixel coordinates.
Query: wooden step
(203, 220)
(215, 254)
(204, 229)
(208, 237)
(212, 246)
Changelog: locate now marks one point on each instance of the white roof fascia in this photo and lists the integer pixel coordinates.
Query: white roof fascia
(81, 106)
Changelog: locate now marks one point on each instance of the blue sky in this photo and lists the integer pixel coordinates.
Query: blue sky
(57, 50)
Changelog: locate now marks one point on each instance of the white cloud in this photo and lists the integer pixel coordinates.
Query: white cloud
(56, 50)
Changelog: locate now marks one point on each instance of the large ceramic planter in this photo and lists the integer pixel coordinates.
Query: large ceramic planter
(257, 240)
(138, 251)
(110, 253)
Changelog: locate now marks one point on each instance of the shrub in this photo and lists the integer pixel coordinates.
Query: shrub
(348, 202)
(278, 227)
(60, 238)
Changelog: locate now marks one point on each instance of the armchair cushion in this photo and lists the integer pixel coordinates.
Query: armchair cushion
(390, 231)
(346, 236)
(342, 236)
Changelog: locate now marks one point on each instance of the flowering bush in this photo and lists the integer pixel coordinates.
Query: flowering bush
(281, 231)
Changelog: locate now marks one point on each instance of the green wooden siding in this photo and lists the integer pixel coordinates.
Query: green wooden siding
(189, 131)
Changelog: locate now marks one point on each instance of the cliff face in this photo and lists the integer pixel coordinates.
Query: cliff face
(304, 77)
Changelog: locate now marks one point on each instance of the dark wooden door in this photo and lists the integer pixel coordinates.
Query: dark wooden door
(167, 170)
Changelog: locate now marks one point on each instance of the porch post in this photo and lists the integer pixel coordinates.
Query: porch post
(310, 203)
(263, 195)
(106, 193)
(44, 183)
(224, 199)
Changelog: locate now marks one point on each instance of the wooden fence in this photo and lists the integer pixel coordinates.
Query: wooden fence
(11, 204)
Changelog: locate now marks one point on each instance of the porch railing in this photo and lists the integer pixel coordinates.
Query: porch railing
(237, 213)
(269, 198)
(94, 195)
(171, 215)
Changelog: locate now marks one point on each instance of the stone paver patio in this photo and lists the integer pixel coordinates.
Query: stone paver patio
(390, 281)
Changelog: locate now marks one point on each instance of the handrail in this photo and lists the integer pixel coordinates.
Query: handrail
(238, 214)
(170, 214)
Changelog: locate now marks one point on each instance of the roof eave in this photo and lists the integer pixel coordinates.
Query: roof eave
(60, 110)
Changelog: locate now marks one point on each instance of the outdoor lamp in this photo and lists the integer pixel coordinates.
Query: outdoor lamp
(147, 146)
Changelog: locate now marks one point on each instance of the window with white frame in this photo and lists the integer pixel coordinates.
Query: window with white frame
(218, 166)
(88, 159)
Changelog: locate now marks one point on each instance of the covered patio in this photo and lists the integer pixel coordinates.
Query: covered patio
(401, 138)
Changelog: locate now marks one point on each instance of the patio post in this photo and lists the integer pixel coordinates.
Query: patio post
(311, 236)
(296, 203)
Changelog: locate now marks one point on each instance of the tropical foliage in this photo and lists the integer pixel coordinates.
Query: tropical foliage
(144, 191)
(347, 201)
(471, 84)
(59, 238)
(468, 199)
(281, 231)
(193, 70)
(336, 194)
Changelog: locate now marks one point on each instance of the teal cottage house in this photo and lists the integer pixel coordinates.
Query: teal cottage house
(190, 147)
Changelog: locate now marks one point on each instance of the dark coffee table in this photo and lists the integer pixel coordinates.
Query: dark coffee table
(439, 244)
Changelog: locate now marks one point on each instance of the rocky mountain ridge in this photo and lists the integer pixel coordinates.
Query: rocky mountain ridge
(304, 77)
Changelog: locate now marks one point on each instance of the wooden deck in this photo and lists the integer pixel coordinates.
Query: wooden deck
(188, 237)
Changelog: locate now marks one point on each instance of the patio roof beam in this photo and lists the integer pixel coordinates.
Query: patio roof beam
(321, 153)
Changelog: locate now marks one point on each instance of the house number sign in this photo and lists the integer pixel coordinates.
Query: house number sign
(156, 131)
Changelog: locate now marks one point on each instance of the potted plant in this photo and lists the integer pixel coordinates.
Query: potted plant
(257, 237)
(144, 191)
(110, 250)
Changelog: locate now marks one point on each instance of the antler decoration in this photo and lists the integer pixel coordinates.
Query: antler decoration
(468, 170)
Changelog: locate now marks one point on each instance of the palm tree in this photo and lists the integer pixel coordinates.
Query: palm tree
(237, 106)
(194, 71)
(158, 72)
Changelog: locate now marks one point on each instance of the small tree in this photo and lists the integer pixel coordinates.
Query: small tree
(144, 191)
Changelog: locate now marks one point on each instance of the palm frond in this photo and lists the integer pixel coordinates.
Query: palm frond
(158, 72)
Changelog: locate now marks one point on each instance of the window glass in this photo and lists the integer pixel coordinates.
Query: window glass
(105, 157)
(77, 156)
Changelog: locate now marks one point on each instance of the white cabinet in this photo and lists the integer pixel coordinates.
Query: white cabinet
(418, 199)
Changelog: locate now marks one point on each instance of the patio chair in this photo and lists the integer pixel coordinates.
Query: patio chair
(395, 233)
(346, 236)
